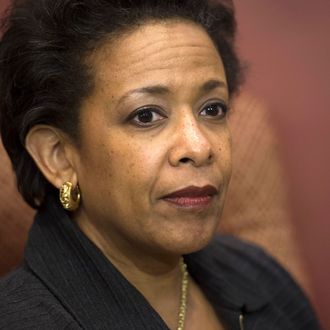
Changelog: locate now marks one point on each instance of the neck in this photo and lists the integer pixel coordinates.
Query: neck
(156, 275)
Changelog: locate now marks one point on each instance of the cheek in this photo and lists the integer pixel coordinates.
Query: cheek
(129, 163)
(223, 148)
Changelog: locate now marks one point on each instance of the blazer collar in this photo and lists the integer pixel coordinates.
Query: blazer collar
(96, 294)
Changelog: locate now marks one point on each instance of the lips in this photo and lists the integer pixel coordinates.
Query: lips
(193, 191)
(192, 196)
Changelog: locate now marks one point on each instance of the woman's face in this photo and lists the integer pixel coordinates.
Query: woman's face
(154, 162)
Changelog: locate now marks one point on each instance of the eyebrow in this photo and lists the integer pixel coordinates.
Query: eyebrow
(208, 86)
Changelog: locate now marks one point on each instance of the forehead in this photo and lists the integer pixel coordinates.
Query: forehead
(157, 52)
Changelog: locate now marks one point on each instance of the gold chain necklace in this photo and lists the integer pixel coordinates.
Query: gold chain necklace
(184, 291)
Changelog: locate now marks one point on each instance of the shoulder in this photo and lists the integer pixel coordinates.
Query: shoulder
(249, 261)
(245, 261)
(26, 301)
(247, 278)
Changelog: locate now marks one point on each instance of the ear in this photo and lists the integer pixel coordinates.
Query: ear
(53, 154)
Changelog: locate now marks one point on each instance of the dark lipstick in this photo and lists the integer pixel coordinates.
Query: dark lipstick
(192, 196)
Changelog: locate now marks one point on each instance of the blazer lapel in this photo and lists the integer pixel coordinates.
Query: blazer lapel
(82, 279)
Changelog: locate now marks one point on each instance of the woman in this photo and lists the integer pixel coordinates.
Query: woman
(121, 106)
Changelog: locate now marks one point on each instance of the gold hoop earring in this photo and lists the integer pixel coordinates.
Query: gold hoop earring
(69, 197)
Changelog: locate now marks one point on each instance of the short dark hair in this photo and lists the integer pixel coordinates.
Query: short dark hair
(43, 72)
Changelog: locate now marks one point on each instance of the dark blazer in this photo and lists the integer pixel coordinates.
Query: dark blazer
(67, 283)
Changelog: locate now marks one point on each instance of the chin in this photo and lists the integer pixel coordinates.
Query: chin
(197, 244)
(189, 241)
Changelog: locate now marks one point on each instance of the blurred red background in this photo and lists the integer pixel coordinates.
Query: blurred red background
(286, 44)
(288, 47)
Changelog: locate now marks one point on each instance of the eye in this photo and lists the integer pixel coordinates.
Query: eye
(146, 117)
(215, 110)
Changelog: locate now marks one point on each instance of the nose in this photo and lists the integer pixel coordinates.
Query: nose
(190, 145)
